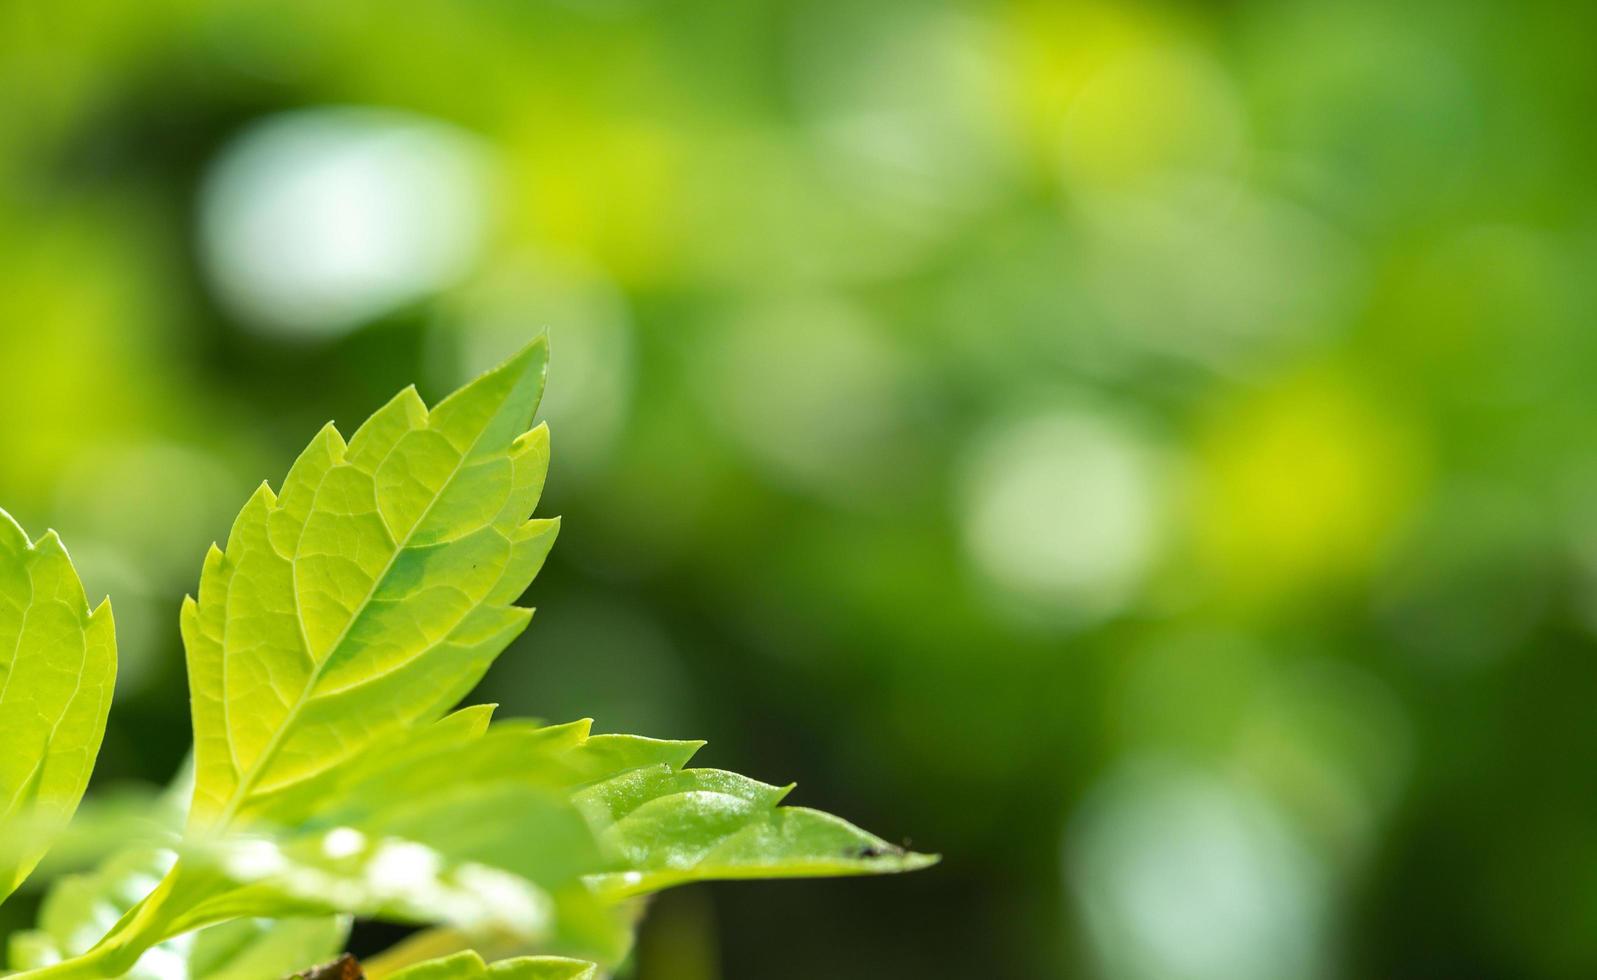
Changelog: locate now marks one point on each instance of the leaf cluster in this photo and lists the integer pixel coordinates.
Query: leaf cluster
(332, 776)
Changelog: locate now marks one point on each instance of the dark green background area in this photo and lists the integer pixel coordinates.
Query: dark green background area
(1146, 453)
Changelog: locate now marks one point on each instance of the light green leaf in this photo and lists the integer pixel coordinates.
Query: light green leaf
(370, 594)
(543, 968)
(385, 872)
(490, 804)
(461, 751)
(657, 824)
(57, 671)
(347, 614)
(103, 827)
(674, 827)
(457, 825)
(470, 966)
(252, 949)
(81, 908)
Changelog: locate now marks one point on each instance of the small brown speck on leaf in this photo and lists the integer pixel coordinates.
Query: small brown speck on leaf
(869, 851)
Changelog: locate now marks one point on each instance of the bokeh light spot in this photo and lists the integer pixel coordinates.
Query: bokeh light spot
(1063, 514)
(1303, 484)
(1181, 875)
(315, 221)
(813, 390)
(1149, 112)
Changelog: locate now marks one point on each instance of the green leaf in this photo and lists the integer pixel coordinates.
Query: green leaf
(462, 751)
(81, 908)
(470, 966)
(370, 594)
(345, 617)
(457, 824)
(58, 661)
(673, 827)
(105, 825)
(250, 949)
(387, 872)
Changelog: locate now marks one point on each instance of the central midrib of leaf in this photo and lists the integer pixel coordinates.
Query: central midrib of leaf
(246, 782)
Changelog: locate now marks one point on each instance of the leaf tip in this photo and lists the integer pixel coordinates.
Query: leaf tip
(329, 433)
(536, 437)
(264, 493)
(10, 527)
(891, 858)
(534, 354)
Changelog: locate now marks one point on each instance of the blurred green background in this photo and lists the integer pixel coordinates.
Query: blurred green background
(1144, 452)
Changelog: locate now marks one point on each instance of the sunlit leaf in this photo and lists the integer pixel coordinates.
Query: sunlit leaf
(370, 594)
(673, 827)
(345, 617)
(104, 826)
(249, 949)
(81, 908)
(492, 859)
(470, 966)
(58, 663)
(457, 825)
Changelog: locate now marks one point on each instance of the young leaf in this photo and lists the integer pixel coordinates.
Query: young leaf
(391, 879)
(470, 966)
(461, 751)
(674, 827)
(456, 825)
(344, 618)
(657, 824)
(249, 949)
(370, 594)
(80, 908)
(58, 661)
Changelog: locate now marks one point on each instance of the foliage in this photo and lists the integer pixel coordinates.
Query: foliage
(59, 666)
(346, 616)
